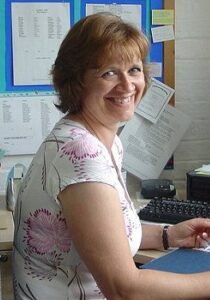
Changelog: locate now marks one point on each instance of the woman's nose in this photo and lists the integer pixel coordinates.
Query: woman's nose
(125, 83)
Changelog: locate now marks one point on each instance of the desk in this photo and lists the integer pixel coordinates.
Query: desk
(6, 226)
(144, 256)
(6, 230)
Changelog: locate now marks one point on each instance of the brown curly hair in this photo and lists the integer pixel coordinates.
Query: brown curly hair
(89, 44)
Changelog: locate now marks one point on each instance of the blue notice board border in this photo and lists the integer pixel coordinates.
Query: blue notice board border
(157, 55)
(2, 45)
(157, 49)
(8, 41)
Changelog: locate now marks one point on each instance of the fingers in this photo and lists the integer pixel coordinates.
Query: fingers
(202, 240)
(206, 237)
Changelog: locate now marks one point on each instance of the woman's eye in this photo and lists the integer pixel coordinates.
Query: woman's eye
(135, 70)
(108, 74)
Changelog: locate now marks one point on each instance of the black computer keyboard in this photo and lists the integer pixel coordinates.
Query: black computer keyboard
(172, 210)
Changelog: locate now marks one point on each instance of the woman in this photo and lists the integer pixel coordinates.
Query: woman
(76, 229)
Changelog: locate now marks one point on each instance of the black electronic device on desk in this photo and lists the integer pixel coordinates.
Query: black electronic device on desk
(151, 188)
(171, 210)
(198, 186)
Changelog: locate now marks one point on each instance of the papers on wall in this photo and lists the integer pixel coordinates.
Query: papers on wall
(129, 12)
(162, 16)
(155, 69)
(162, 33)
(25, 121)
(147, 146)
(37, 32)
(154, 101)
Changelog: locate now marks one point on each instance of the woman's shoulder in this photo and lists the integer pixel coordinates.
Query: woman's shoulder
(81, 144)
(64, 127)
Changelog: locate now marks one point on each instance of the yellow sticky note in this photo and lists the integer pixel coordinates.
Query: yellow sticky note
(162, 16)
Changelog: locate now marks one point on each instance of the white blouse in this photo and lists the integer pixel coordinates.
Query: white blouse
(45, 262)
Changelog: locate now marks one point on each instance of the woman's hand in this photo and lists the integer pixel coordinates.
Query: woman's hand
(190, 234)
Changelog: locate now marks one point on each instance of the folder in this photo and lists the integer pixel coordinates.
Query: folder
(182, 260)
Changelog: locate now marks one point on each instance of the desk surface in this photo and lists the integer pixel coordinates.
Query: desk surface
(6, 231)
(6, 226)
(144, 256)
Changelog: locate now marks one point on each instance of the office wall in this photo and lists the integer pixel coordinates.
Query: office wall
(192, 85)
(192, 89)
(6, 84)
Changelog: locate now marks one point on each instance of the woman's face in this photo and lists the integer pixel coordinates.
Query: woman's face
(113, 91)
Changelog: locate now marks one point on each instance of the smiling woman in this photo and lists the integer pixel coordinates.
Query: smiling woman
(75, 224)
(112, 92)
(99, 38)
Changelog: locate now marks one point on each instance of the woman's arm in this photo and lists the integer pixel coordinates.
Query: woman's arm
(189, 234)
(96, 225)
(151, 237)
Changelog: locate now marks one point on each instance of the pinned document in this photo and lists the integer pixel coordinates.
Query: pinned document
(28, 118)
(131, 13)
(155, 69)
(147, 146)
(162, 33)
(155, 100)
(37, 32)
(162, 16)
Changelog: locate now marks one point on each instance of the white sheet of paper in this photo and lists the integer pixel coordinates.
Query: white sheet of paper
(37, 32)
(147, 146)
(155, 69)
(128, 12)
(25, 121)
(206, 249)
(162, 33)
(155, 100)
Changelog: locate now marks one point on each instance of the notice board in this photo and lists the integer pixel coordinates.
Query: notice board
(12, 84)
(77, 9)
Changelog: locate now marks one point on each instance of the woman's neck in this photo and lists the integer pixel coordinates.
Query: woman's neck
(105, 134)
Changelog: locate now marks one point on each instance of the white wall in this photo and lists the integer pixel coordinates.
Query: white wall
(192, 89)
(192, 84)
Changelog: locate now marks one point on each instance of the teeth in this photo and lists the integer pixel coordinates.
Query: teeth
(122, 101)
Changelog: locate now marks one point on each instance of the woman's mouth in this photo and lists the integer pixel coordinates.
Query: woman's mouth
(120, 100)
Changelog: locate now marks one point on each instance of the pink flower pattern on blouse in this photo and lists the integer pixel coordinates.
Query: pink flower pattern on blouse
(45, 231)
(44, 271)
(81, 148)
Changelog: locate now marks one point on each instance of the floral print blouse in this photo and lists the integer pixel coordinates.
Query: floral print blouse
(46, 264)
